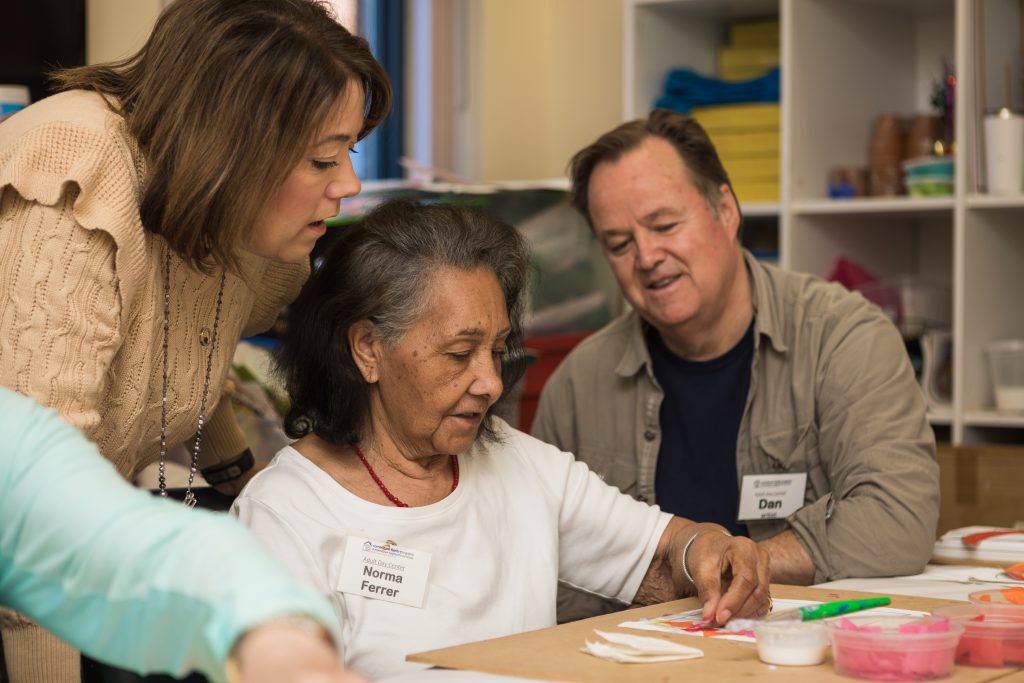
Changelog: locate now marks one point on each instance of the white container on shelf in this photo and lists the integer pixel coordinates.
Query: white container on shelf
(1004, 152)
(1006, 358)
(12, 99)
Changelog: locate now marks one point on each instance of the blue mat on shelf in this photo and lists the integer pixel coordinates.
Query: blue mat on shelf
(686, 89)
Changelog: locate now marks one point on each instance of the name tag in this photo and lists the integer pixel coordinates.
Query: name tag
(771, 496)
(384, 571)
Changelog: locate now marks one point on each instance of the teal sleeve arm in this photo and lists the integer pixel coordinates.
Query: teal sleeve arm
(136, 581)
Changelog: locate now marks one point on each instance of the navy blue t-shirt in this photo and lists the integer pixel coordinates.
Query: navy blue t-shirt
(700, 420)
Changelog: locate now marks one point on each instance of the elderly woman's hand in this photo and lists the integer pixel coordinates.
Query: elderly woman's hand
(730, 574)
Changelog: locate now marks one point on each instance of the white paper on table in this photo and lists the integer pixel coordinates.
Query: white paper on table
(780, 604)
(629, 649)
(961, 574)
(1008, 548)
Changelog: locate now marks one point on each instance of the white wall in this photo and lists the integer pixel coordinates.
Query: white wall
(117, 28)
(549, 82)
(536, 80)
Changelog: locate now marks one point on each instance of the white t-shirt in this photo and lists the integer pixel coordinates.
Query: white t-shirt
(524, 516)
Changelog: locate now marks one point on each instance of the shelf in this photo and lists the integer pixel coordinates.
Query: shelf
(720, 9)
(989, 417)
(760, 210)
(984, 201)
(845, 63)
(874, 205)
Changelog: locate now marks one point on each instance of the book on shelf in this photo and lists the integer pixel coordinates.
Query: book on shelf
(751, 168)
(755, 190)
(753, 49)
(731, 144)
(725, 118)
(742, 73)
(736, 63)
(754, 32)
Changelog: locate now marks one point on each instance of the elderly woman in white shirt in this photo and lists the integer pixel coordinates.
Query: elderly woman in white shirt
(426, 519)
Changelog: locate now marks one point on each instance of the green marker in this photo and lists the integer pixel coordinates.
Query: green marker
(827, 609)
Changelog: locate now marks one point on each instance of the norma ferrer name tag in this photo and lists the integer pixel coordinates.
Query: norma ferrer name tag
(384, 571)
(771, 496)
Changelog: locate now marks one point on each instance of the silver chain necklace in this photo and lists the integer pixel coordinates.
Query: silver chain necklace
(190, 497)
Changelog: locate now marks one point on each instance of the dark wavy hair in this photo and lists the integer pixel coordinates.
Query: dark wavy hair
(224, 99)
(685, 134)
(380, 269)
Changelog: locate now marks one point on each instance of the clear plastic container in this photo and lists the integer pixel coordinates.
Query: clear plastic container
(1006, 359)
(993, 633)
(912, 304)
(1011, 599)
(894, 648)
(930, 166)
(929, 186)
(12, 98)
(791, 643)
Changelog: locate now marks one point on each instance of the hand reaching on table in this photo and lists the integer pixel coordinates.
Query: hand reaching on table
(729, 574)
(278, 652)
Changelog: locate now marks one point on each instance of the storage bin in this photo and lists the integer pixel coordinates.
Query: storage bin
(930, 186)
(912, 304)
(1010, 599)
(929, 166)
(894, 648)
(1006, 360)
(993, 634)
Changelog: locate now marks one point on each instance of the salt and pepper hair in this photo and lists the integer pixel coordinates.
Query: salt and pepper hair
(696, 152)
(381, 269)
(224, 99)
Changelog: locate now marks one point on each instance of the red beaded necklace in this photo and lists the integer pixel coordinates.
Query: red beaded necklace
(392, 497)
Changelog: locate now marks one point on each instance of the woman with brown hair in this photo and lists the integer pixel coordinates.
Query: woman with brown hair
(155, 211)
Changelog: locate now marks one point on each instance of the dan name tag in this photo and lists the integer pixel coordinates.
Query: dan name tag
(384, 571)
(771, 496)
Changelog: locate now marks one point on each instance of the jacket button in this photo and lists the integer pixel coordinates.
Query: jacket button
(650, 434)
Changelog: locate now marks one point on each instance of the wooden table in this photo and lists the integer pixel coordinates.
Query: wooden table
(554, 653)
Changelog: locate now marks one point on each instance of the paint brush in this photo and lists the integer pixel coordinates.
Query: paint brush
(827, 609)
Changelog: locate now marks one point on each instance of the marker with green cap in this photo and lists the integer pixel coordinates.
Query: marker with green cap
(827, 609)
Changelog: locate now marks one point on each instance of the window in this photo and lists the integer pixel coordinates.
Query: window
(382, 22)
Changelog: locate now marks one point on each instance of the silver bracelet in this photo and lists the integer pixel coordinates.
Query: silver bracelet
(686, 550)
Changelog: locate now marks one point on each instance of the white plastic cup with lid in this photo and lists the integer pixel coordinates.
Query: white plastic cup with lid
(1006, 360)
(791, 643)
(12, 99)
(1004, 152)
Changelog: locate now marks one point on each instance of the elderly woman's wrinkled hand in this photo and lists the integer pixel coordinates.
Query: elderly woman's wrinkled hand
(731, 575)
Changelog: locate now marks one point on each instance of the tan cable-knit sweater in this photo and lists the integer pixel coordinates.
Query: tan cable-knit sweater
(81, 293)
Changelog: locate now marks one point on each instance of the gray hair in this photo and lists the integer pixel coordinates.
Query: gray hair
(380, 270)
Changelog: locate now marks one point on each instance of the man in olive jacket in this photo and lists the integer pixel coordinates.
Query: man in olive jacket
(768, 401)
